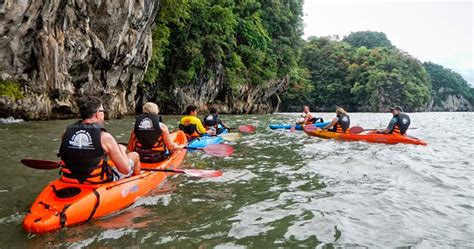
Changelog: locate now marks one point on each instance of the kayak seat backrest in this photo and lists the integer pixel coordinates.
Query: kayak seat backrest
(67, 192)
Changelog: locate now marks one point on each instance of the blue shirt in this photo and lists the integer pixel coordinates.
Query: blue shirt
(392, 123)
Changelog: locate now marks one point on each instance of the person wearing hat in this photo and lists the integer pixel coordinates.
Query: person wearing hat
(340, 123)
(399, 123)
(150, 138)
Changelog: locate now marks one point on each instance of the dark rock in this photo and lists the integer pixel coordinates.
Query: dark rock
(60, 50)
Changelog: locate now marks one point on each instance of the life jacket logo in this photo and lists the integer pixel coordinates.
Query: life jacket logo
(345, 119)
(209, 118)
(81, 140)
(146, 124)
(404, 121)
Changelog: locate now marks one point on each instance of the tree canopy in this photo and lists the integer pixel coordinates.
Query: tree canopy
(253, 41)
(368, 39)
(359, 78)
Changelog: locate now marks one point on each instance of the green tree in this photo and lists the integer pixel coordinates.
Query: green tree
(253, 42)
(368, 39)
(359, 78)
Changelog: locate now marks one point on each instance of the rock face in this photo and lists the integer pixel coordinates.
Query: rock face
(59, 50)
(248, 98)
(452, 103)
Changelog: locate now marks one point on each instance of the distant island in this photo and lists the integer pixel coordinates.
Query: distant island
(365, 72)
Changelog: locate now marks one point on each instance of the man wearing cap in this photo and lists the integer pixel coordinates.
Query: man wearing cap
(399, 123)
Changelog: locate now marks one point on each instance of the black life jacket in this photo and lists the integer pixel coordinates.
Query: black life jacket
(150, 145)
(342, 124)
(403, 122)
(315, 120)
(82, 156)
(210, 120)
(147, 130)
(190, 131)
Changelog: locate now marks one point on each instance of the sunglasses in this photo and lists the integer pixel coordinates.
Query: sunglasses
(101, 111)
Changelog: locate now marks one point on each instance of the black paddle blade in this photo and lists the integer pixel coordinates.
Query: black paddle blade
(40, 164)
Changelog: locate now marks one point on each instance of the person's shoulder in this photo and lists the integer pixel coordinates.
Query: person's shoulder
(107, 139)
(105, 134)
(163, 126)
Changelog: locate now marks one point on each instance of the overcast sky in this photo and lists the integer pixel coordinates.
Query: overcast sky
(439, 31)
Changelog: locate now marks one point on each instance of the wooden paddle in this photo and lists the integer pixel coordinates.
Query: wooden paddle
(47, 165)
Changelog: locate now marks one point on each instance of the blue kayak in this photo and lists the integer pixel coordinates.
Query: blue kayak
(206, 140)
(297, 127)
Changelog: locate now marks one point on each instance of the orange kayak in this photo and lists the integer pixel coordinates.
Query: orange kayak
(370, 137)
(64, 204)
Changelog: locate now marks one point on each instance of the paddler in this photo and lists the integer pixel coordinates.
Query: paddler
(340, 123)
(87, 148)
(212, 121)
(191, 125)
(307, 117)
(150, 138)
(399, 123)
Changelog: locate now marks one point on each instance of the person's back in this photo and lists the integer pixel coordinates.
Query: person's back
(398, 124)
(191, 125)
(82, 156)
(212, 121)
(86, 148)
(150, 138)
(340, 123)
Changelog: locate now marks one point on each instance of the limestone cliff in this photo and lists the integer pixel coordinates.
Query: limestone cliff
(245, 99)
(59, 50)
(451, 102)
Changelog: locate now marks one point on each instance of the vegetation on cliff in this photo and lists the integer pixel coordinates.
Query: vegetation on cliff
(251, 41)
(10, 89)
(359, 78)
(446, 82)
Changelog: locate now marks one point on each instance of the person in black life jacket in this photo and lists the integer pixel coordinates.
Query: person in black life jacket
(399, 123)
(87, 149)
(212, 121)
(150, 138)
(340, 123)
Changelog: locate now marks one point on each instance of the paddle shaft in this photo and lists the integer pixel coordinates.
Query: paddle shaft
(164, 170)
